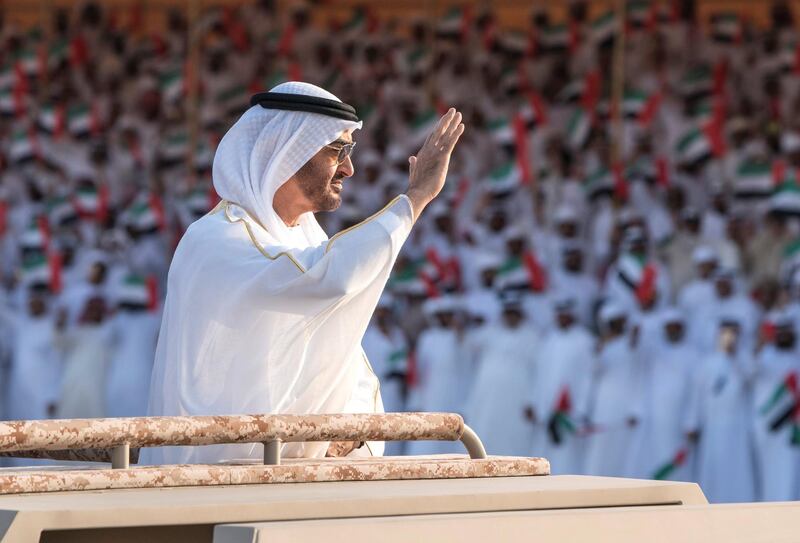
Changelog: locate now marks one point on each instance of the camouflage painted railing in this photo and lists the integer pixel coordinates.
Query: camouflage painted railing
(91, 439)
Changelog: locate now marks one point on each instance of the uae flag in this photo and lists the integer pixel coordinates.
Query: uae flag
(233, 100)
(561, 424)
(572, 91)
(83, 120)
(525, 272)
(644, 169)
(697, 82)
(604, 28)
(700, 144)
(8, 76)
(146, 214)
(504, 178)
(640, 106)
(555, 39)
(417, 60)
(41, 268)
(753, 180)
(399, 365)
(28, 63)
(362, 22)
(61, 211)
(58, 54)
(638, 275)
(727, 28)
(789, 59)
(783, 407)
(708, 110)
(172, 85)
(641, 14)
(23, 146)
(198, 202)
(9, 103)
(203, 155)
(174, 148)
(786, 199)
(667, 469)
(454, 24)
(515, 42)
(579, 128)
(138, 290)
(599, 183)
(35, 269)
(52, 120)
(533, 112)
(791, 255)
(501, 131)
(91, 202)
(36, 236)
(414, 278)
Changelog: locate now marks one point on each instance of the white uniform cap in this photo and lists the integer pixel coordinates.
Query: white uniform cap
(703, 254)
(611, 311)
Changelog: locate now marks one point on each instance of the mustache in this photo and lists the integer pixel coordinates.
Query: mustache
(338, 177)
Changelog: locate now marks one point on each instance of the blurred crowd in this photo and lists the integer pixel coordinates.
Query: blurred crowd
(611, 279)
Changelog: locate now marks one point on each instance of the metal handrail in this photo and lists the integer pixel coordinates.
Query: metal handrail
(91, 439)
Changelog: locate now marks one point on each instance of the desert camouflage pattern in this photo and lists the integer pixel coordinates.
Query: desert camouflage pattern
(58, 435)
(73, 455)
(292, 471)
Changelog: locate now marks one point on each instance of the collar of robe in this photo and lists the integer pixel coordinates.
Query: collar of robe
(308, 104)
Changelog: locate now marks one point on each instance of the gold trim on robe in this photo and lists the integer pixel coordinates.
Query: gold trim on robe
(254, 241)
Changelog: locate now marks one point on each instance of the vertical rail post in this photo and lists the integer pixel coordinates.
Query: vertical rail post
(121, 456)
(272, 453)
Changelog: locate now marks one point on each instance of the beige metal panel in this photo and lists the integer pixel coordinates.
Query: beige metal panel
(745, 523)
(24, 517)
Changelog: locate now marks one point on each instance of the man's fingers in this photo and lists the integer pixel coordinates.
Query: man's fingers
(412, 165)
(443, 125)
(452, 139)
(454, 124)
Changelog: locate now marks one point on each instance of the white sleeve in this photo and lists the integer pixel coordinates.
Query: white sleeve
(351, 260)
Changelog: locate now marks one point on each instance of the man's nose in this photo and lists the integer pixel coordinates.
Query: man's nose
(346, 167)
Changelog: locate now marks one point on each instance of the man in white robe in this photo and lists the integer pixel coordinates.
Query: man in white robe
(775, 393)
(729, 300)
(264, 313)
(560, 394)
(721, 417)
(669, 373)
(388, 351)
(442, 370)
(35, 376)
(502, 386)
(700, 290)
(87, 349)
(135, 331)
(571, 280)
(613, 411)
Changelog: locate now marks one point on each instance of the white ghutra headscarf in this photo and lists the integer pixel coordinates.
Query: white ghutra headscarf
(266, 147)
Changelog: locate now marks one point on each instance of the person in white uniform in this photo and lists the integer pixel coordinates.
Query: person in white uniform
(775, 395)
(720, 417)
(560, 394)
(502, 386)
(613, 411)
(135, 332)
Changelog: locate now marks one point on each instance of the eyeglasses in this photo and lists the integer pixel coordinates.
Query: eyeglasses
(344, 151)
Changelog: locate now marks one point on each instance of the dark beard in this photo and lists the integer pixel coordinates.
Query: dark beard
(318, 192)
